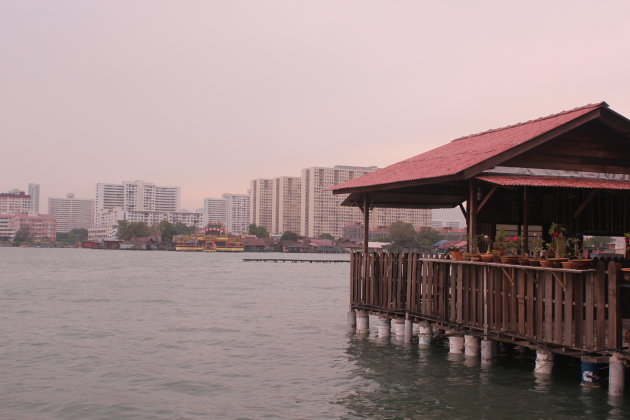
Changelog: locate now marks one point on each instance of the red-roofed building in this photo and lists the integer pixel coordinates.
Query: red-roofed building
(559, 168)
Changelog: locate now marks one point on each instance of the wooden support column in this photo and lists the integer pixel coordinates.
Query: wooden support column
(472, 212)
(525, 222)
(366, 236)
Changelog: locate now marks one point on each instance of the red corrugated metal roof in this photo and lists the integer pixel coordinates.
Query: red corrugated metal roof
(555, 181)
(465, 152)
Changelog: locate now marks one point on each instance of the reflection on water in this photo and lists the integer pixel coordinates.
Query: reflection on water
(404, 381)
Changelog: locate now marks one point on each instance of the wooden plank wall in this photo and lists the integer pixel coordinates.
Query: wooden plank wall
(579, 310)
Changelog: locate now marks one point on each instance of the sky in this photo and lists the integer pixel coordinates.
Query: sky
(207, 95)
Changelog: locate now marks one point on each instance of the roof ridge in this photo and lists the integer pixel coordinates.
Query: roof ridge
(493, 130)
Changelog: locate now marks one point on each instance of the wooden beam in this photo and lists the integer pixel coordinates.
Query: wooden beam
(472, 211)
(525, 222)
(486, 198)
(464, 212)
(587, 200)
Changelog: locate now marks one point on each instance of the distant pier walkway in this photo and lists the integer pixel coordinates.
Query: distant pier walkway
(293, 260)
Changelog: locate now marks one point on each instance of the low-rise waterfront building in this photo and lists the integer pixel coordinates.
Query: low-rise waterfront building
(41, 228)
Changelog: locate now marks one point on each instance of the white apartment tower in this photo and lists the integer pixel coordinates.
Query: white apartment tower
(71, 213)
(137, 195)
(237, 213)
(260, 199)
(33, 191)
(321, 211)
(214, 210)
(285, 204)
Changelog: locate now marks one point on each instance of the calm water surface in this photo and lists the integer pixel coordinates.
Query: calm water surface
(90, 334)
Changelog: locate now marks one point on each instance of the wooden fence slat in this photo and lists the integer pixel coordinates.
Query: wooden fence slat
(557, 315)
(614, 307)
(531, 294)
(548, 299)
(569, 323)
(600, 309)
(590, 313)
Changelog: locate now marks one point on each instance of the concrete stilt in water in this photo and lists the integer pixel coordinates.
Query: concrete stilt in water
(384, 326)
(399, 327)
(363, 321)
(408, 330)
(616, 375)
(544, 362)
(590, 372)
(487, 351)
(456, 344)
(471, 346)
(352, 319)
(424, 334)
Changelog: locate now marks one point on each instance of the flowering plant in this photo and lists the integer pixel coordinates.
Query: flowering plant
(558, 240)
(513, 243)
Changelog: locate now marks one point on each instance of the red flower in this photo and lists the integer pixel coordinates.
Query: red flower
(555, 234)
(515, 238)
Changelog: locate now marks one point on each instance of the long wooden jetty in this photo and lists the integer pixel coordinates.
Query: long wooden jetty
(293, 260)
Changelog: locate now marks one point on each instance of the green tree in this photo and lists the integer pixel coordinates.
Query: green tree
(427, 237)
(23, 234)
(128, 230)
(403, 235)
(259, 231)
(326, 236)
(289, 236)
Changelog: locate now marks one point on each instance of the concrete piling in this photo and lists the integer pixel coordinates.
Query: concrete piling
(616, 375)
(544, 362)
(471, 346)
(362, 321)
(456, 344)
(487, 351)
(424, 334)
(384, 326)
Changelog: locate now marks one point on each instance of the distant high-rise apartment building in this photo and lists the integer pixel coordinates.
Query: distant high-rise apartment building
(260, 202)
(33, 191)
(15, 202)
(285, 204)
(137, 195)
(156, 217)
(237, 212)
(71, 213)
(321, 211)
(214, 211)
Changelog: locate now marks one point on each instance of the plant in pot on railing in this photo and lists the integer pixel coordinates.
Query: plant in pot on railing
(576, 253)
(456, 253)
(486, 242)
(557, 248)
(536, 247)
(474, 248)
(499, 245)
(511, 247)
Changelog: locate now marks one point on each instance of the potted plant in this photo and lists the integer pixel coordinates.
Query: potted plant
(499, 244)
(536, 247)
(577, 254)
(456, 253)
(557, 246)
(511, 245)
(486, 256)
(474, 248)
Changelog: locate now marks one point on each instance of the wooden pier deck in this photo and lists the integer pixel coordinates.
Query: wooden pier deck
(293, 260)
(566, 311)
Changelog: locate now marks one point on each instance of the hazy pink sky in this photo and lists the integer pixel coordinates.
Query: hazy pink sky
(210, 94)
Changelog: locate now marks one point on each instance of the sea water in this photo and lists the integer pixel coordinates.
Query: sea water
(97, 334)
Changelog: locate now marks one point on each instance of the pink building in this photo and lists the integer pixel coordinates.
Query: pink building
(42, 228)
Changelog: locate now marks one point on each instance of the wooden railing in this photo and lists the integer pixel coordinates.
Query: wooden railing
(576, 309)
